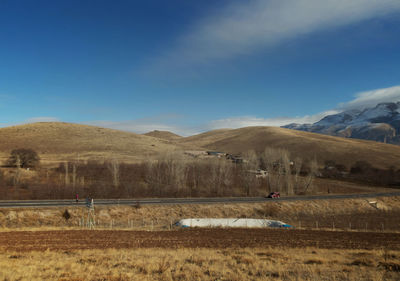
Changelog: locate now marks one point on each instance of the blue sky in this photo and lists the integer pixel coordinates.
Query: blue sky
(192, 66)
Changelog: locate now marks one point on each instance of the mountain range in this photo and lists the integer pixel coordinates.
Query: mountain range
(380, 123)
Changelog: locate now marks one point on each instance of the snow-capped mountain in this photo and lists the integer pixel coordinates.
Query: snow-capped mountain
(381, 123)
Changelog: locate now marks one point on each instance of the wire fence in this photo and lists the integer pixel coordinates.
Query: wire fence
(129, 224)
(170, 224)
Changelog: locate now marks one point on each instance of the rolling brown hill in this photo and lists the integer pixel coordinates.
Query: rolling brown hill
(56, 141)
(300, 144)
(165, 135)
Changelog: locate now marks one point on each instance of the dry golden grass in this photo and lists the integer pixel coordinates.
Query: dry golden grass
(55, 142)
(300, 144)
(165, 135)
(161, 217)
(274, 263)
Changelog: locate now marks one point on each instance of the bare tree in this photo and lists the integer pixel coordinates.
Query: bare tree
(17, 175)
(177, 172)
(169, 171)
(308, 186)
(272, 159)
(250, 166)
(287, 171)
(113, 166)
(74, 175)
(154, 175)
(66, 173)
(226, 172)
(298, 162)
(194, 178)
(220, 176)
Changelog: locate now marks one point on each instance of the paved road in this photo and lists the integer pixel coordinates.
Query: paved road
(171, 201)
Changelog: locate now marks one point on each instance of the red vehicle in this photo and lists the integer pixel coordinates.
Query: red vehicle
(274, 195)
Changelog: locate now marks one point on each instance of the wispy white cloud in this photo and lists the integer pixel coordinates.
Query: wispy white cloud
(361, 101)
(134, 126)
(166, 122)
(372, 98)
(246, 26)
(173, 123)
(245, 121)
(149, 124)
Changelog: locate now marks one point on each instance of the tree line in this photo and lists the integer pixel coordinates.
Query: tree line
(174, 175)
(170, 175)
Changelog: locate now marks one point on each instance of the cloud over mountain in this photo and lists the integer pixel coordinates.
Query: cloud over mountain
(361, 101)
(173, 123)
(372, 98)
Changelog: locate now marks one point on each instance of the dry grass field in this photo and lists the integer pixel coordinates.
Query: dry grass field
(56, 142)
(354, 214)
(273, 262)
(300, 144)
(138, 243)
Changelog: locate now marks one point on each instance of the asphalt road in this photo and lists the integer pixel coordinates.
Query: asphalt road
(172, 201)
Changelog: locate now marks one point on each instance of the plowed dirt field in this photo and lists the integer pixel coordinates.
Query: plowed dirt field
(194, 238)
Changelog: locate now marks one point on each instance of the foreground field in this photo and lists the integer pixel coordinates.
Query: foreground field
(195, 238)
(211, 254)
(359, 248)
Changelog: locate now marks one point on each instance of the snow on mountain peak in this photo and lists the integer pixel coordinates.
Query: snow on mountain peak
(379, 123)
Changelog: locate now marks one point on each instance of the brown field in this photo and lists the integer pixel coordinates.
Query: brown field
(199, 254)
(22, 241)
(130, 251)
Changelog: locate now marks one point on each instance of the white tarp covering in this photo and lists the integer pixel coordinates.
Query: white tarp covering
(232, 222)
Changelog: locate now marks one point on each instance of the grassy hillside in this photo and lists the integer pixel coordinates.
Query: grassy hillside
(165, 135)
(55, 141)
(300, 144)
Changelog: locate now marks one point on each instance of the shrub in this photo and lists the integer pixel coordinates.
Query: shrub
(24, 158)
(360, 167)
(66, 215)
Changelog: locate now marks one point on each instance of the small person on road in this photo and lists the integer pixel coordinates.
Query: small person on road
(77, 198)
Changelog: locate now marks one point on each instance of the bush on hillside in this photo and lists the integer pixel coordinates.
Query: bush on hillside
(361, 167)
(24, 158)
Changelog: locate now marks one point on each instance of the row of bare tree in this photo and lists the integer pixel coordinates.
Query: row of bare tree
(173, 175)
(283, 174)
